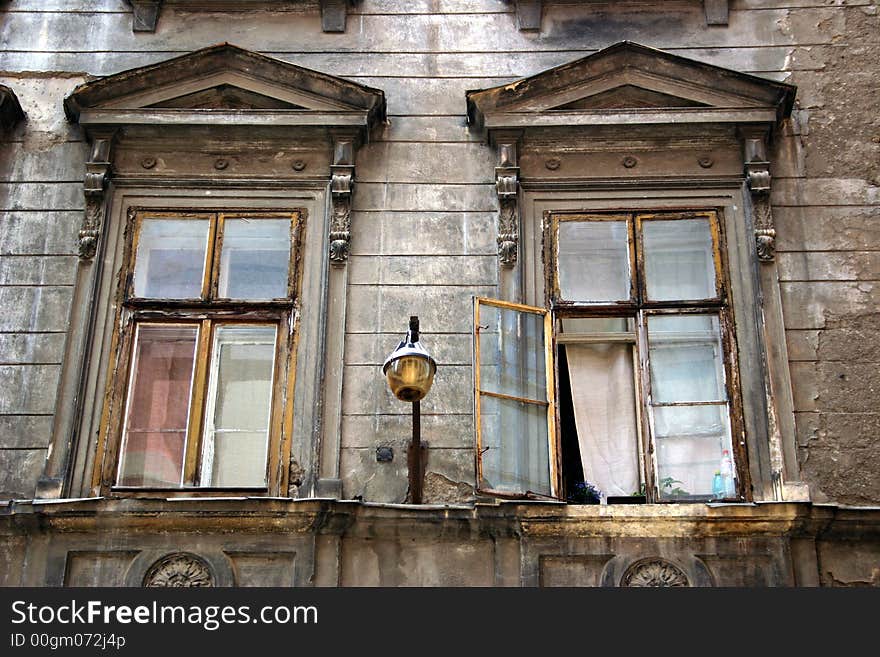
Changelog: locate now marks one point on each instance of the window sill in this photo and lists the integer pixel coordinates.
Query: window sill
(174, 494)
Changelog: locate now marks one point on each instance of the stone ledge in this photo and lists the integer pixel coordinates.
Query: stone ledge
(504, 519)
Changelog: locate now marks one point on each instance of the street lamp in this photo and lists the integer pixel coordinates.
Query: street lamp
(410, 373)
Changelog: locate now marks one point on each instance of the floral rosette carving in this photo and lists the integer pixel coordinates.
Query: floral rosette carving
(179, 570)
(654, 573)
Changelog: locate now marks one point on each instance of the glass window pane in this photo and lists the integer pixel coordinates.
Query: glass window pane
(603, 397)
(170, 261)
(693, 443)
(686, 358)
(255, 258)
(515, 451)
(237, 428)
(512, 353)
(596, 324)
(158, 406)
(679, 259)
(593, 260)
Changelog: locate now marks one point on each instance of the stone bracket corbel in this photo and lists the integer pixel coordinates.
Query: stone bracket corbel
(341, 187)
(717, 12)
(334, 14)
(507, 188)
(10, 109)
(528, 14)
(97, 176)
(757, 170)
(144, 15)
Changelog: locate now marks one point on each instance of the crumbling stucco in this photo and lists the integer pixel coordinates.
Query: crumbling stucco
(442, 490)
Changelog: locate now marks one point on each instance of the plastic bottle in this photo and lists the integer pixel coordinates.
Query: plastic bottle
(727, 479)
(717, 485)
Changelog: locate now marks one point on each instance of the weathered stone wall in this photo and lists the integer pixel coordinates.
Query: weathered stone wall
(424, 222)
(345, 543)
(828, 213)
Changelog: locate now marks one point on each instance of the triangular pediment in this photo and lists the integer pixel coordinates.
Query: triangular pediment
(222, 79)
(228, 97)
(628, 82)
(628, 96)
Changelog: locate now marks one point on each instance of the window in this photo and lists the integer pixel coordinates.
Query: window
(206, 350)
(515, 418)
(644, 368)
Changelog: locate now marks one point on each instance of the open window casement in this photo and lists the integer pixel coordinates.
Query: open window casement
(628, 381)
(514, 401)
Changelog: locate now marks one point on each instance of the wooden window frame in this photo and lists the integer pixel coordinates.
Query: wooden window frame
(549, 405)
(639, 308)
(207, 312)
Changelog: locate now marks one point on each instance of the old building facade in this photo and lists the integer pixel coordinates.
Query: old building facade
(641, 238)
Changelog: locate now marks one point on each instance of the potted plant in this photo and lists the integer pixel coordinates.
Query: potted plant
(636, 497)
(585, 493)
(667, 484)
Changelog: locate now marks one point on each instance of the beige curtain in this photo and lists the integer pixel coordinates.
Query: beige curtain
(603, 395)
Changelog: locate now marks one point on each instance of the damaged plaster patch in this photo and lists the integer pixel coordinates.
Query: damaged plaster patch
(839, 452)
(783, 24)
(845, 122)
(442, 490)
(41, 97)
(850, 338)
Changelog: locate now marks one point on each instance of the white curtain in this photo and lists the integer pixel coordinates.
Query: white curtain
(603, 395)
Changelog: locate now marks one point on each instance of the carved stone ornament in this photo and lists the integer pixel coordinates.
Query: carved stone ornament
(340, 217)
(97, 172)
(508, 218)
(758, 178)
(341, 186)
(507, 188)
(654, 573)
(179, 570)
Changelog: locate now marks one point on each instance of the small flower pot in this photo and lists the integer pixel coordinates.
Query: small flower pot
(626, 499)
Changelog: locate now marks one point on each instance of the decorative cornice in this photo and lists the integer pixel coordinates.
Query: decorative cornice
(10, 109)
(533, 520)
(97, 176)
(341, 187)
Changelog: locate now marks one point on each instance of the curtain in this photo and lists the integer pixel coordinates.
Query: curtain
(603, 396)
